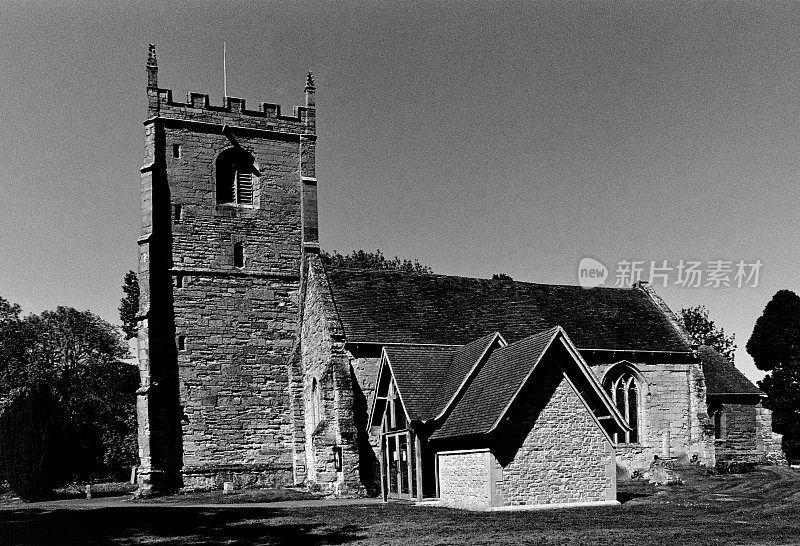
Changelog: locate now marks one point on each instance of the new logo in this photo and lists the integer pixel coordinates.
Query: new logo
(591, 273)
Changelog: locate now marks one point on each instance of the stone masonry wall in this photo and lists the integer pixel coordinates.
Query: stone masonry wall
(745, 438)
(701, 429)
(464, 479)
(325, 359)
(238, 323)
(204, 235)
(234, 327)
(673, 417)
(365, 373)
(316, 354)
(768, 442)
(564, 458)
(238, 334)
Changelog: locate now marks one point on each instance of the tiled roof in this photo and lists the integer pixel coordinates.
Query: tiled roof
(395, 307)
(419, 372)
(461, 363)
(494, 387)
(429, 375)
(722, 376)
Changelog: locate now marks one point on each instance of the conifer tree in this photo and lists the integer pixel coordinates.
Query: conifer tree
(775, 348)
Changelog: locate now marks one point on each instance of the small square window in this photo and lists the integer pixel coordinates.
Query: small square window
(176, 151)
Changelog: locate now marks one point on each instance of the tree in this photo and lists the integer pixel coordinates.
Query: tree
(95, 388)
(67, 364)
(775, 348)
(129, 305)
(776, 336)
(8, 311)
(501, 277)
(372, 260)
(19, 367)
(703, 331)
(30, 443)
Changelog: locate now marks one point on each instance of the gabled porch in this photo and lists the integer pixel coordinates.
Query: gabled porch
(490, 425)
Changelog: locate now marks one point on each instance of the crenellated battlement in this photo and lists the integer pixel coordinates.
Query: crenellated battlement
(198, 107)
(234, 105)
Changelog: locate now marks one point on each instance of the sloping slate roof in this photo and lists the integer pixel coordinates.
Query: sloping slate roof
(395, 307)
(461, 363)
(495, 386)
(419, 372)
(722, 376)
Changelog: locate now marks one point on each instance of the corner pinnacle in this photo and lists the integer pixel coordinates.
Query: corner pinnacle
(152, 67)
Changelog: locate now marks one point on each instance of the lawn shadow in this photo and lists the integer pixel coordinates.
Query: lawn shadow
(167, 525)
(74, 495)
(624, 496)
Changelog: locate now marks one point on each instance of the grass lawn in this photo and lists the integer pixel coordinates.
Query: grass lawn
(762, 507)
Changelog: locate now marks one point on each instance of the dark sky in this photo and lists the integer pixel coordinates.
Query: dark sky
(477, 137)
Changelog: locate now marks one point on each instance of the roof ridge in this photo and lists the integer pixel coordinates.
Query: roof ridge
(522, 362)
(422, 345)
(541, 334)
(442, 275)
(466, 377)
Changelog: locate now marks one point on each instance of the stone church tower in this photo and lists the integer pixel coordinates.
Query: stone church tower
(229, 209)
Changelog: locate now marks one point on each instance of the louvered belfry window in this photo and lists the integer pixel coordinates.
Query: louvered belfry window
(235, 178)
(244, 187)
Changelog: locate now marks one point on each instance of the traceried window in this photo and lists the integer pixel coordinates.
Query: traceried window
(235, 178)
(623, 387)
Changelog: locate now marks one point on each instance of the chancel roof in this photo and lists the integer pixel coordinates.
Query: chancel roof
(722, 376)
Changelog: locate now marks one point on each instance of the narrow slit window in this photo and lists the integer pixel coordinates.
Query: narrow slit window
(181, 343)
(719, 424)
(238, 255)
(317, 411)
(177, 213)
(176, 151)
(179, 281)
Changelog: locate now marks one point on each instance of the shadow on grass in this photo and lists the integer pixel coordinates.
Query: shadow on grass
(166, 525)
(624, 496)
(73, 495)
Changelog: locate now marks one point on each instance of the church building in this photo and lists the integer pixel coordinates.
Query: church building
(262, 367)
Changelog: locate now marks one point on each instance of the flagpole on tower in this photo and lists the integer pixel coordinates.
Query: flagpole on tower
(224, 70)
